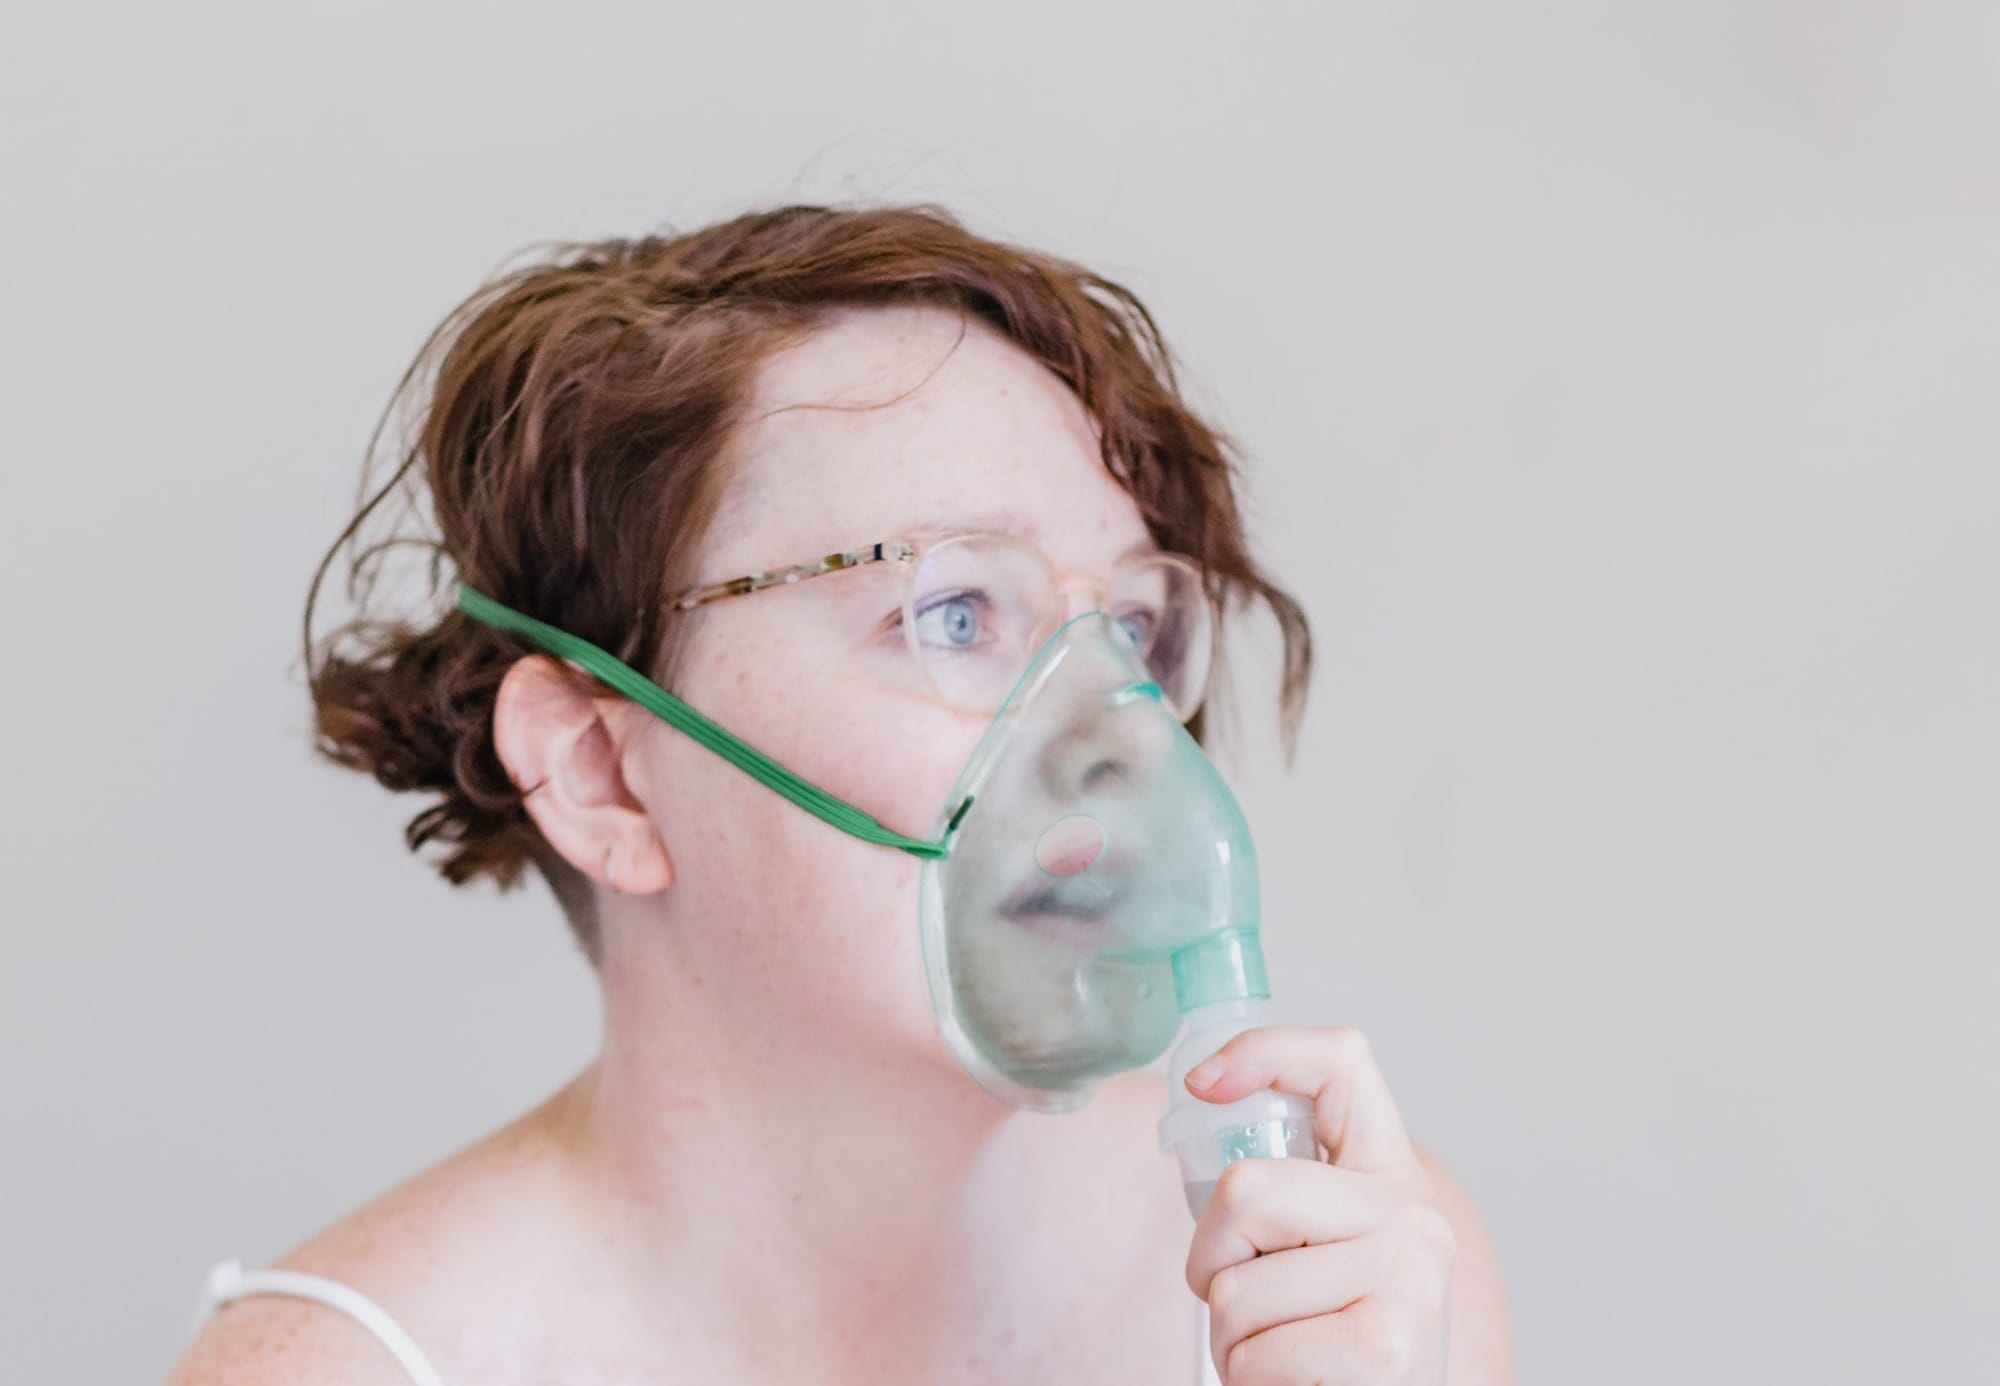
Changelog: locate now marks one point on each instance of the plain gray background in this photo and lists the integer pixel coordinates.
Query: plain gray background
(1621, 386)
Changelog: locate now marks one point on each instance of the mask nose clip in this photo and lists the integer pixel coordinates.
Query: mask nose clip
(1132, 693)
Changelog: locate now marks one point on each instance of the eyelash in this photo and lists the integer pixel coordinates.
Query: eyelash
(894, 620)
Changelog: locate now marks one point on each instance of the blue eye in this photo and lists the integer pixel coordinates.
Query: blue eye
(1135, 628)
(952, 622)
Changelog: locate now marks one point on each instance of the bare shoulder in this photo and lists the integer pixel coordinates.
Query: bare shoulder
(450, 1251)
(266, 1340)
(1482, 1348)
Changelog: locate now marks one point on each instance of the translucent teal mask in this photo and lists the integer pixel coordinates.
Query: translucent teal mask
(1099, 881)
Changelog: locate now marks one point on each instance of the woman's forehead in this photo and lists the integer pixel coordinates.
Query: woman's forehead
(892, 422)
(914, 376)
(857, 357)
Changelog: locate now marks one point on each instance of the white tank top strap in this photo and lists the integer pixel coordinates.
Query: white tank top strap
(229, 1281)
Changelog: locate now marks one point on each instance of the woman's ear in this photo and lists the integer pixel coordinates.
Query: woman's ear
(557, 747)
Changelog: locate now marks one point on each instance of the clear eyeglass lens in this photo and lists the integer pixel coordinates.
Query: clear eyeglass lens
(1160, 604)
(980, 607)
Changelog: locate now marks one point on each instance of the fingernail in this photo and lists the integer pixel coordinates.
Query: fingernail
(1204, 1074)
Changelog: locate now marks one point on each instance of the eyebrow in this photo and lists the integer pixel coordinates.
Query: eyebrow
(1013, 523)
(1009, 522)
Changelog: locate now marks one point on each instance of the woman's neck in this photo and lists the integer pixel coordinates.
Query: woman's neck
(878, 1205)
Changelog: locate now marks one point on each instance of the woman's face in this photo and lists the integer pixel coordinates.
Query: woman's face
(815, 931)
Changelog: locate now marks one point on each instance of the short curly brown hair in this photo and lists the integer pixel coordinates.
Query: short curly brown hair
(601, 382)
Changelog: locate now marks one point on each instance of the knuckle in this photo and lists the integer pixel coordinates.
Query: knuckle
(1435, 1232)
(1240, 1185)
(1430, 1250)
(1352, 1044)
(1392, 1350)
(1433, 1289)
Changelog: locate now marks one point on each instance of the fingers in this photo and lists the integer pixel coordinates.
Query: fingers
(1377, 1340)
(1408, 1259)
(1267, 1205)
(1251, 1296)
(1302, 1350)
(1354, 1114)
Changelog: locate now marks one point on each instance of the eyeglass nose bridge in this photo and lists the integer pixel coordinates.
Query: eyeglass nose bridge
(1066, 607)
(1067, 586)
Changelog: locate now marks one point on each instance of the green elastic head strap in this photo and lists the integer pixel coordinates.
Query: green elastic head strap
(664, 705)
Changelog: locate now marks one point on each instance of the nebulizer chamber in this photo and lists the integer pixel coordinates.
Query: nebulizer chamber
(1097, 898)
(1206, 1136)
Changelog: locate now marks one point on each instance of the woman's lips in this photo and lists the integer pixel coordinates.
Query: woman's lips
(1077, 909)
(1072, 930)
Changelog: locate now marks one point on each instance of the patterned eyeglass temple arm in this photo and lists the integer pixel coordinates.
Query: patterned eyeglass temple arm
(832, 563)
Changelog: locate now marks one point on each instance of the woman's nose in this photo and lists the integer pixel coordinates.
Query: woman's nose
(1113, 729)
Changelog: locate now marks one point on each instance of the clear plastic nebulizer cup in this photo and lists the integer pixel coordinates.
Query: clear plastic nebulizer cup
(1206, 1137)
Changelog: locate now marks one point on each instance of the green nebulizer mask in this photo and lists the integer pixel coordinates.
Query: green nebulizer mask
(1097, 899)
(1089, 895)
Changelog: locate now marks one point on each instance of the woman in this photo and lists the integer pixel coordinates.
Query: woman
(774, 1170)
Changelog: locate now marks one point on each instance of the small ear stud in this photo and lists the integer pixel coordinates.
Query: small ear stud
(607, 872)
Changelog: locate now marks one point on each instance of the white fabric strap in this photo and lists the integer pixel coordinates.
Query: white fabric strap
(230, 1281)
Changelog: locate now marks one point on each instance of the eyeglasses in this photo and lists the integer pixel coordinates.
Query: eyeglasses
(976, 608)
